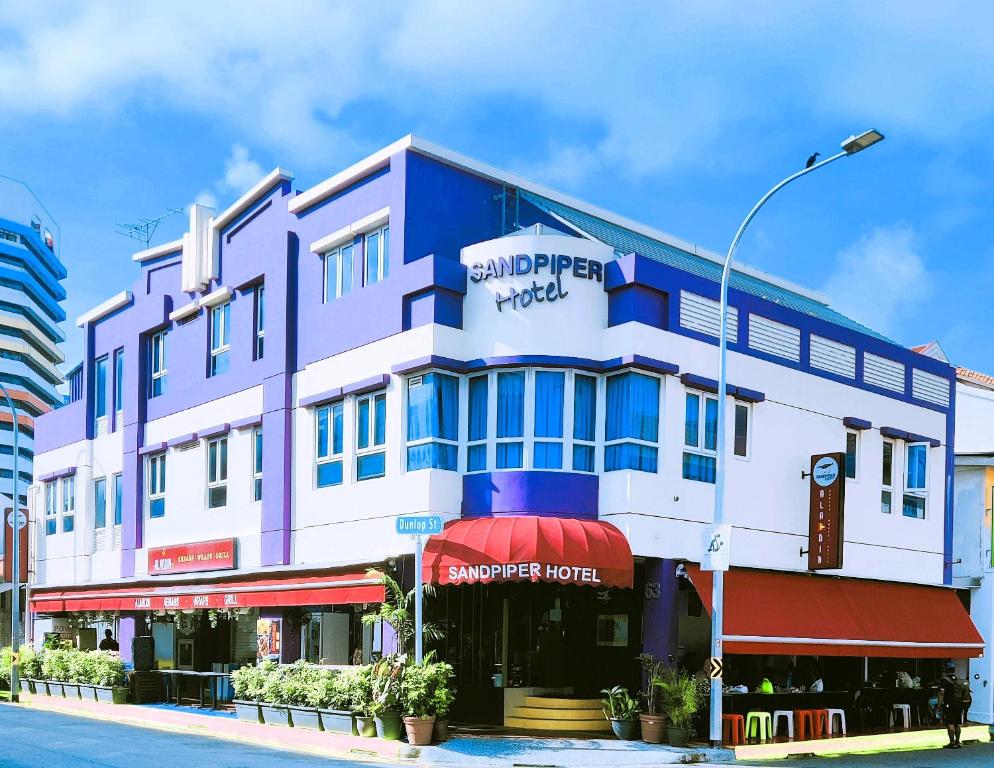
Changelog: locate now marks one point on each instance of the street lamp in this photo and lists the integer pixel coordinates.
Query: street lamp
(15, 566)
(850, 146)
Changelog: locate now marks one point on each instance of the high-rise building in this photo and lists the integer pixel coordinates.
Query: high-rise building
(31, 296)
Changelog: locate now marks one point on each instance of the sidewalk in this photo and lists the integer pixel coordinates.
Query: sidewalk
(471, 751)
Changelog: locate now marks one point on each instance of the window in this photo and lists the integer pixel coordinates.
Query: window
(217, 472)
(257, 465)
(338, 272)
(432, 421)
(157, 485)
(371, 427)
(886, 495)
(700, 436)
(118, 389)
(852, 441)
(68, 503)
(584, 421)
(118, 499)
(741, 436)
(157, 347)
(100, 389)
(916, 480)
(100, 503)
(479, 396)
(550, 390)
(260, 321)
(220, 337)
(51, 508)
(632, 423)
(510, 419)
(377, 254)
(329, 445)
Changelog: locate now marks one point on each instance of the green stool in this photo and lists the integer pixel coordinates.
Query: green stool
(759, 725)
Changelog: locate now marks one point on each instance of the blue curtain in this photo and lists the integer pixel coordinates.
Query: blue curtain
(549, 390)
(322, 418)
(478, 396)
(510, 404)
(380, 422)
(697, 467)
(633, 407)
(339, 430)
(692, 423)
(548, 455)
(710, 424)
(584, 408)
(476, 458)
(432, 456)
(643, 458)
(362, 424)
(583, 458)
(510, 455)
(433, 408)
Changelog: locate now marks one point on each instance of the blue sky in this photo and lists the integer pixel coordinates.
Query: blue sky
(679, 115)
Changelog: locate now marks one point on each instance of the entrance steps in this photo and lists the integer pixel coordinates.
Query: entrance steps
(541, 713)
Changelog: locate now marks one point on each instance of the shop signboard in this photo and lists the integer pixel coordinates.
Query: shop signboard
(216, 555)
(545, 271)
(826, 511)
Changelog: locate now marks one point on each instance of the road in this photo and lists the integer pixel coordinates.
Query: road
(971, 756)
(35, 739)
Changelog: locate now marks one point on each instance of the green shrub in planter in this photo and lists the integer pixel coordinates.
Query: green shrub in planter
(334, 701)
(30, 663)
(425, 695)
(109, 677)
(248, 683)
(6, 660)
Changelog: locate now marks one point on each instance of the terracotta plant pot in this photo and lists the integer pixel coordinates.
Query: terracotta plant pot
(652, 728)
(419, 730)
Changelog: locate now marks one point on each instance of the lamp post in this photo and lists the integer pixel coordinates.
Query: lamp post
(15, 554)
(850, 146)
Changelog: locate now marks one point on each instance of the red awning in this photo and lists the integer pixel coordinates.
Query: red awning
(519, 548)
(336, 589)
(801, 614)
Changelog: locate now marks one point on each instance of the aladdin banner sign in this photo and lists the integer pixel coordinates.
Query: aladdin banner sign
(216, 555)
(826, 508)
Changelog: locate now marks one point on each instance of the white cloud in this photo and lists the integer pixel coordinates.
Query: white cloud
(207, 198)
(881, 280)
(240, 170)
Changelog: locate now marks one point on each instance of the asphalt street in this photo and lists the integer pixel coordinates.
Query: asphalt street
(970, 756)
(33, 739)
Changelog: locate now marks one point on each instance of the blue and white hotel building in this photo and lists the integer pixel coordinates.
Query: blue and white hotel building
(422, 333)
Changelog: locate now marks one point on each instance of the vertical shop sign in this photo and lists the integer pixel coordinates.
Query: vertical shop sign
(267, 635)
(826, 511)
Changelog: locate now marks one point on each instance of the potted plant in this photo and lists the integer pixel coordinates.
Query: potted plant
(85, 664)
(274, 703)
(299, 692)
(444, 697)
(418, 697)
(31, 670)
(652, 719)
(361, 700)
(55, 670)
(680, 701)
(622, 711)
(386, 679)
(110, 678)
(247, 683)
(334, 701)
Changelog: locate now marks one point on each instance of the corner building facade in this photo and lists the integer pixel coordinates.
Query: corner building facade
(421, 333)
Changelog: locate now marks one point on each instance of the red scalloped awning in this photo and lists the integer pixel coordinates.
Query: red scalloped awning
(327, 589)
(775, 613)
(518, 548)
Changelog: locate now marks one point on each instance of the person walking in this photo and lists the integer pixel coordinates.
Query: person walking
(955, 698)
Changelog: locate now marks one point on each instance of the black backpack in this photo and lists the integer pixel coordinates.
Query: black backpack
(959, 693)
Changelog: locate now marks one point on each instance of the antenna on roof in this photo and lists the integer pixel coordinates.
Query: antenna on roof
(145, 228)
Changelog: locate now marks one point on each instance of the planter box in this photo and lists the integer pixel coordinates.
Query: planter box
(27, 686)
(71, 690)
(55, 688)
(337, 721)
(305, 717)
(111, 695)
(39, 687)
(87, 692)
(276, 714)
(248, 711)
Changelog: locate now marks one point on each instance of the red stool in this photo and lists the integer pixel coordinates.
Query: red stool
(804, 724)
(820, 726)
(733, 729)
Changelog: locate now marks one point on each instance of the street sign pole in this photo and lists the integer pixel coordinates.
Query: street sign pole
(418, 603)
(15, 566)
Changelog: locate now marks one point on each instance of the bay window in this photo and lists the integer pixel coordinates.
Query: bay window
(510, 419)
(584, 421)
(479, 396)
(916, 480)
(432, 422)
(632, 423)
(330, 431)
(217, 472)
(550, 389)
(156, 485)
(700, 436)
(371, 426)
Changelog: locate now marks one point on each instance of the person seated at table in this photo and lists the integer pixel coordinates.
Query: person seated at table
(817, 684)
(904, 679)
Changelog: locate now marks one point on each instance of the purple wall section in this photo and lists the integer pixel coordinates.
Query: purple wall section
(125, 634)
(542, 494)
(660, 624)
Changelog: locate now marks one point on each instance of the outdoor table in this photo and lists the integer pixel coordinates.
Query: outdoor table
(743, 703)
(177, 675)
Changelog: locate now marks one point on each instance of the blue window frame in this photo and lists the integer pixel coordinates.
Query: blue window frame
(432, 422)
(156, 484)
(700, 455)
(631, 427)
(510, 419)
(371, 436)
(584, 422)
(100, 503)
(479, 397)
(118, 499)
(330, 444)
(550, 392)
